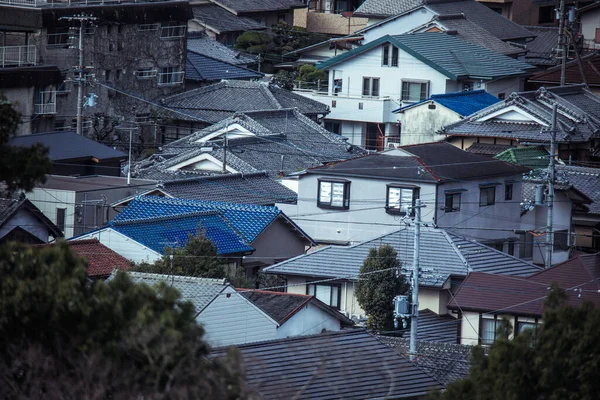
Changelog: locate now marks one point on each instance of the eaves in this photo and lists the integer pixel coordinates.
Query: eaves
(385, 178)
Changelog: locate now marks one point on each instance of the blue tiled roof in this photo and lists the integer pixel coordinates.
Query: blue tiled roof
(203, 68)
(173, 231)
(463, 103)
(248, 220)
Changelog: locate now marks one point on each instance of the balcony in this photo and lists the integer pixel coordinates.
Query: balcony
(16, 56)
(46, 103)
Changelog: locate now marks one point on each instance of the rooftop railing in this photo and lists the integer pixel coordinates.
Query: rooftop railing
(16, 56)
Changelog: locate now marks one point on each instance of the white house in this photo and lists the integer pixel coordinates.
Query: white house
(366, 84)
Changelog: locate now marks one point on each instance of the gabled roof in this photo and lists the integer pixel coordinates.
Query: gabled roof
(530, 156)
(338, 365)
(586, 180)
(591, 71)
(201, 43)
(10, 206)
(214, 103)
(174, 230)
(253, 6)
(442, 255)
(281, 306)
(248, 220)
(463, 103)
(525, 296)
(578, 121)
(201, 68)
(69, 145)
(281, 141)
(481, 15)
(222, 21)
(447, 54)
(200, 291)
(541, 50)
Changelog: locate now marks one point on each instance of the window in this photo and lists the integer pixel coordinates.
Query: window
(546, 14)
(333, 194)
(328, 294)
(148, 27)
(508, 191)
(399, 198)
(171, 30)
(487, 331)
(526, 326)
(45, 101)
(360, 106)
(487, 196)
(333, 127)
(526, 245)
(394, 56)
(511, 248)
(60, 218)
(452, 203)
(370, 87)
(59, 37)
(145, 73)
(170, 76)
(561, 240)
(117, 74)
(389, 50)
(386, 55)
(107, 75)
(414, 91)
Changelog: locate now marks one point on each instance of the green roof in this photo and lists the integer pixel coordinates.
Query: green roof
(445, 53)
(530, 157)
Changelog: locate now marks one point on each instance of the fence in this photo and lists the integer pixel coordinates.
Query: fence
(11, 56)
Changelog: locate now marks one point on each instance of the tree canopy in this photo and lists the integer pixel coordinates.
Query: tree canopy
(379, 282)
(62, 337)
(21, 168)
(560, 360)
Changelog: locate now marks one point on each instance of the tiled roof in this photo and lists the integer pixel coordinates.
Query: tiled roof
(200, 43)
(432, 327)
(248, 220)
(280, 141)
(200, 291)
(591, 67)
(254, 188)
(174, 229)
(350, 364)
(202, 68)
(252, 6)
(578, 119)
(487, 148)
(479, 14)
(442, 255)
(530, 156)
(8, 207)
(447, 54)
(277, 305)
(586, 180)
(101, 260)
(214, 103)
(222, 21)
(463, 103)
(540, 51)
(68, 145)
(446, 362)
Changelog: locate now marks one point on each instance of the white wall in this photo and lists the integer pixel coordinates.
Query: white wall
(233, 320)
(400, 25)
(420, 123)
(469, 332)
(48, 200)
(123, 245)
(589, 22)
(311, 320)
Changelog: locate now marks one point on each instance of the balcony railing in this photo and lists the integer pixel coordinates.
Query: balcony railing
(11, 56)
(46, 103)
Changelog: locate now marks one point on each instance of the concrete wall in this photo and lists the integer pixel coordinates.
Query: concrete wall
(420, 123)
(311, 320)
(121, 244)
(590, 21)
(277, 243)
(365, 219)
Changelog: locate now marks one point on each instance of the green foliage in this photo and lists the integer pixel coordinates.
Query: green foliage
(285, 79)
(310, 73)
(20, 167)
(197, 258)
(559, 361)
(254, 42)
(378, 283)
(64, 338)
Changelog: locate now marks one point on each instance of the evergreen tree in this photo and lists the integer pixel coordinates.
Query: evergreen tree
(378, 283)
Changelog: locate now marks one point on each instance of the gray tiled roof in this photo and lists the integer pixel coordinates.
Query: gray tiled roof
(250, 6)
(200, 291)
(442, 256)
(435, 328)
(385, 8)
(286, 141)
(202, 68)
(578, 119)
(202, 44)
(217, 102)
(349, 364)
(540, 51)
(254, 188)
(586, 180)
(488, 149)
(222, 21)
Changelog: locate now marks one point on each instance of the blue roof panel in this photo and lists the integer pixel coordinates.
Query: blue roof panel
(463, 103)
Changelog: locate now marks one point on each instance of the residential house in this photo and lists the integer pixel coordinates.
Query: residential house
(202, 70)
(445, 259)
(253, 188)
(201, 43)
(421, 121)
(541, 51)
(359, 199)
(21, 221)
(319, 52)
(72, 154)
(330, 17)
(488, 149)
(268, 13)
(525, 118)
(101, 261)
(236, 317)
(199, 108)
(591, 74)
(520, 300)
(530, 12)
(279, 142)
(533, 157)
(150, 224)
(77, 204)
(369, 82)
(220, 24)
(589, 16)
(346, 364)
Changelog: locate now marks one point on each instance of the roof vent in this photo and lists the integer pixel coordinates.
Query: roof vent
(452, 32)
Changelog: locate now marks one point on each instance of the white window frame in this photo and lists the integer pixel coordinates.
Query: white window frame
(146, 73)
(370, 92)
(148, 27)
(176, 76)
(395, 203)
(172, 30)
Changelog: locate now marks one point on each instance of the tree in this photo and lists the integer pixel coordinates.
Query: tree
(310, 74)
(285, 79)
(20, 167)
(379, 282)
(64, 338)
(560, 360)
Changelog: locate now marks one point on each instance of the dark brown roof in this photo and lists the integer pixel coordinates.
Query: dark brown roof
(487, 149)
(591, 69)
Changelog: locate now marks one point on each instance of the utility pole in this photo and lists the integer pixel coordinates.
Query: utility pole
(129, 166)
(225, 145)
(562, 43)
(550, 199)
(415, 283)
